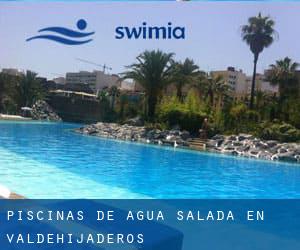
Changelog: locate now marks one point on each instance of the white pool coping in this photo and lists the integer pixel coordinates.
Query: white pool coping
(14, 117)
(4, 192)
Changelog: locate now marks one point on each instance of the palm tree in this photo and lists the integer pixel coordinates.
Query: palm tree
(283, 75)
(216, 88)
(184, 73)
(258, 34)
(7, 91)
(153, 72)
(113, 92)
(29, 89)
(2, 89)
(200, 84)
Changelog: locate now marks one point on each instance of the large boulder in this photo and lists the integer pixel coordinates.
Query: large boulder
(41, 110)
(288, 156)
(185, 135)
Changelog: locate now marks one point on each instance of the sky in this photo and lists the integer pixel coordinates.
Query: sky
(212, 40)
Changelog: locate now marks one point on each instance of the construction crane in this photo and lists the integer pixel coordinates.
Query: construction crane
(104, 66)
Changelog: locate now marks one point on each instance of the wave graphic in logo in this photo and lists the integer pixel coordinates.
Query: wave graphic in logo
(65, 35)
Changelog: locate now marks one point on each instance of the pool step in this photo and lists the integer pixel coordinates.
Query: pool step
(198, 144)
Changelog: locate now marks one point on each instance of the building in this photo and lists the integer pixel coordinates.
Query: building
(12, 71)
(96, 80)
(59, 80)
(241, 84)
(131, 86)
(236, 80)
(261, 84)
(127, 86)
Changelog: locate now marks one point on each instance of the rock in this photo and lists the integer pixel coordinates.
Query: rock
(272, 143)
(137, 121)
(219, 142)
(137, 133)
(218, 137)
(265, 155)
(229, 148)
(41, 110)
(242, 144)
(185, 135)
(261, 145)
(232, 138)
(254, 152)
(242, 137)
(237, 144)
(234, 152)
(174, 132)
(243, 148)
(282, 150)
(289, 156)
(212, 144)
(167, 142)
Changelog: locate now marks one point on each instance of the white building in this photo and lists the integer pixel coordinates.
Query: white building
(261, 84)
(240, 83)
(130, 86)
(59, 80)
(236, 80)
(97, 80)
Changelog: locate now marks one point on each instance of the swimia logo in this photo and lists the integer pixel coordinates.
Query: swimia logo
(65, 35)
(150, 32)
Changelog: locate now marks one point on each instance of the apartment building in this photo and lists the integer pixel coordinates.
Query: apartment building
(12, 71)
(96, 80)
(241, 84)
(236, 80)
(261, 84)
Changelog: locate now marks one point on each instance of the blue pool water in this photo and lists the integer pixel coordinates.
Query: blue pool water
(48, 160)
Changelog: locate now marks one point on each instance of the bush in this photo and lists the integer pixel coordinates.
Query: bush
(282, 132)
(294, 113)
(185, 119)
(187, 116)
(243, 119)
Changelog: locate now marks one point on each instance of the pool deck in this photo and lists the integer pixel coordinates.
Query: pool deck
(5, 193)
(14, 118)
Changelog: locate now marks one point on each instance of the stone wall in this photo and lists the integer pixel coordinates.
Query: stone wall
(250, 146)
(136, 133)
(239, 145)
(74, 109)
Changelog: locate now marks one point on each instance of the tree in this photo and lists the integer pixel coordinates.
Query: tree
(258, 34)
(200, 84)
(9, 93)
(28, 89)
(102, 96)
(216, 88)
(3, 80)
(113, 92)
(153, 72)
(184, 73)
(283, 75)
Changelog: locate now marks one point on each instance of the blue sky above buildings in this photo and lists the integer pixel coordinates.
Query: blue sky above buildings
(212, 34)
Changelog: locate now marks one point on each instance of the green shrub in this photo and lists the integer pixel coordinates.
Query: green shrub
(294, 113)
(186, 115)
(282, 132)
(243, 119)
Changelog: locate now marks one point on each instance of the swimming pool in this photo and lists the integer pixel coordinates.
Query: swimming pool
(49, 160)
